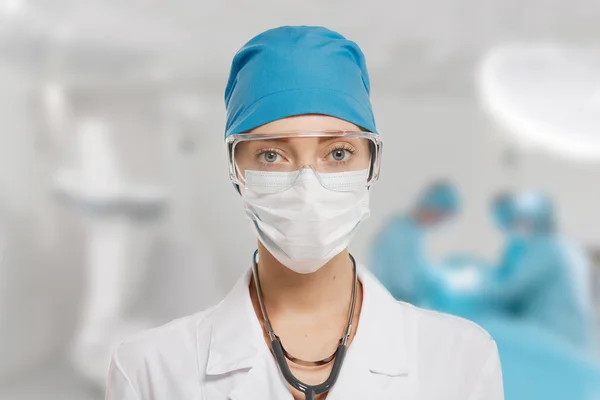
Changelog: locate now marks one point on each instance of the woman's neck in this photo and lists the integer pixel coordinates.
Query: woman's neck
(326, 291)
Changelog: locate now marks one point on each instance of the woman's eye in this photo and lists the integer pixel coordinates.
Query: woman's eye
(339, 154)
(270, 156)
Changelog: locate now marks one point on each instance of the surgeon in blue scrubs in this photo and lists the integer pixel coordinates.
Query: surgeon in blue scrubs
(397, 255)
(544, 329)
(535, 304)
(542, 278)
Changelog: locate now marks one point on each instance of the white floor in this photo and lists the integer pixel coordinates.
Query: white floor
(53, 381)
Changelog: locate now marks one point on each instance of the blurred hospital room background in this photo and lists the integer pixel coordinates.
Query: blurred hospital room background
(117, 213)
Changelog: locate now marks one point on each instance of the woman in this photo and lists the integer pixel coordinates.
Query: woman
(305, 322)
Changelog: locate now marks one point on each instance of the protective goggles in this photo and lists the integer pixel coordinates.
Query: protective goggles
(330, 154)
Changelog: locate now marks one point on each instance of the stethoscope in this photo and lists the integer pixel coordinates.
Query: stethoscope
(310, 391)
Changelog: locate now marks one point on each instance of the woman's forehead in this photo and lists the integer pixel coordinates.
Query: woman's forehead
(311, 122)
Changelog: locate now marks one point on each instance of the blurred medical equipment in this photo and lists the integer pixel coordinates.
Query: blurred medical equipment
(101, 84)
(397, 255)
(31, 330)
(137, 257)
(96, 187)
(457, 286)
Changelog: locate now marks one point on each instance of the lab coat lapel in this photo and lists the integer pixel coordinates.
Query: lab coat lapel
(262, 382)
(238, 355)
(377, 364)
(356, 381)
(236, 335)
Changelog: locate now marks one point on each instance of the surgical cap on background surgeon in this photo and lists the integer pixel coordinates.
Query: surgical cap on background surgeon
(440, 196)
(522, 217)
(531, 210)
(296, 70)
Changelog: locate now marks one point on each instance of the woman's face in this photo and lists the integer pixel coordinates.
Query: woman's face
(292, 152)
(305, 185)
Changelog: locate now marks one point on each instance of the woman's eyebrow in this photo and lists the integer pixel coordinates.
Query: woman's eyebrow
(275, 141)
(351, 140)
(333, 138)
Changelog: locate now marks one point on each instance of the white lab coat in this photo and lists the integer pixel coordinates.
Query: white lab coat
(399, 352)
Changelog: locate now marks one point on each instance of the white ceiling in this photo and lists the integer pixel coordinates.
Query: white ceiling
(413, 47)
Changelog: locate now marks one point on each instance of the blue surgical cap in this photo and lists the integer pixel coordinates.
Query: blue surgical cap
(296, 70)
(534, 208)
(440, 196)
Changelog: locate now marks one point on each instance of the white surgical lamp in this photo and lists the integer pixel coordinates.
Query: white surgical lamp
(545, 97)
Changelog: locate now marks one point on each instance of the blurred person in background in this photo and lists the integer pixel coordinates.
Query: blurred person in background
(305, 321)
(543, 311)
(398, 256)
(536, 303)
(542, 277)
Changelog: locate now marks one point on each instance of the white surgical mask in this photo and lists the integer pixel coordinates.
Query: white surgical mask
(307, 225)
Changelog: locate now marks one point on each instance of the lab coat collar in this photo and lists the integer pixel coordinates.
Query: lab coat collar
(382, 330)
(379, 346)
(236, 335)
(378, 349)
